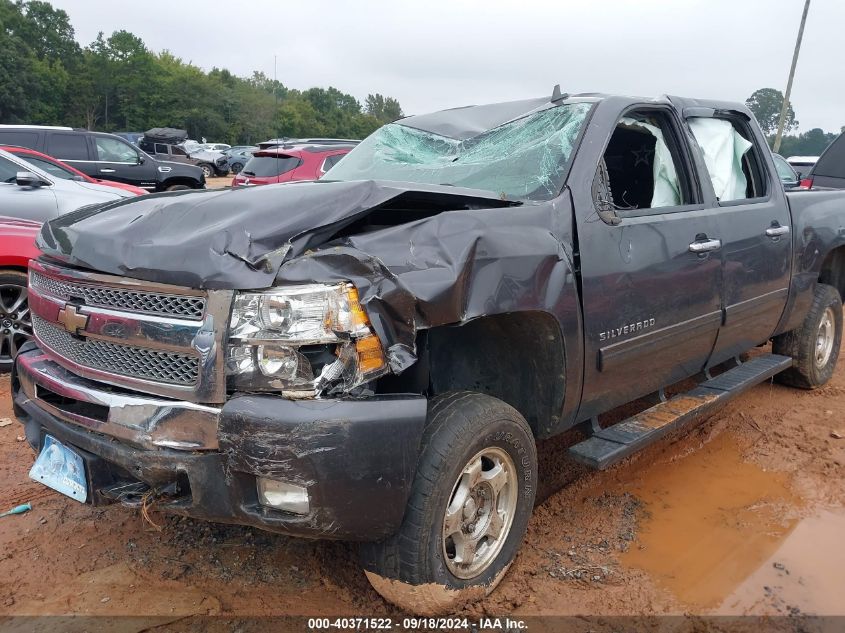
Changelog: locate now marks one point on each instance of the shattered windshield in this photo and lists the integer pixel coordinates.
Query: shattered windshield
(523, 159)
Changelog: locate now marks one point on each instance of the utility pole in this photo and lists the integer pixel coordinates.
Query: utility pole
(785, 104)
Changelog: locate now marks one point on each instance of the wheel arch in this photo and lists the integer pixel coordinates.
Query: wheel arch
(180, 180)
(832, 271)
(517, 357)
(14, 268)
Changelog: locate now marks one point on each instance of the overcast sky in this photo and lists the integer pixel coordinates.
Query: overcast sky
(442, 53)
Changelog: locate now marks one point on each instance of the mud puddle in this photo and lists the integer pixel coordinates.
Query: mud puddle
(807, 569)
(724, 534)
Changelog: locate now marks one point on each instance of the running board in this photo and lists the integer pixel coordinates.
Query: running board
(606, 447)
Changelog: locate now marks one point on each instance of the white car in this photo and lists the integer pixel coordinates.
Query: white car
(32, 194)
(216, 147)
(802, 164)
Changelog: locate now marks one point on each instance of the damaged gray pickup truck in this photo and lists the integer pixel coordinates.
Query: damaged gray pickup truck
(373, 356)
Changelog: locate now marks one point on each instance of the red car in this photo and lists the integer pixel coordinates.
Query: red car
(17, 247)
(57, 168)
(287, 163)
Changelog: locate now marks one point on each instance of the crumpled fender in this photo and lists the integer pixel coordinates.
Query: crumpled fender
(447, 269)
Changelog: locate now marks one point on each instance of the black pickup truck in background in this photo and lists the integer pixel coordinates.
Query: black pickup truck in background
(166, 143)
(373, 356)
(829, 170)
(104, 156)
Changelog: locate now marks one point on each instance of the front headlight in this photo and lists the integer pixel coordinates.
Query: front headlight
(302, 315)
(302, 340)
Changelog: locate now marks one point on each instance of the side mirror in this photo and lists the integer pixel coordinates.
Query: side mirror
(28, 179)
(141, 159)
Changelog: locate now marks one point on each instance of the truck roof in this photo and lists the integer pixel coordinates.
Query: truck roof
(469, 121)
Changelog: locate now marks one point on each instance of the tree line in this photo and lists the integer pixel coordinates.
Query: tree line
(117, 84)
(766, 104)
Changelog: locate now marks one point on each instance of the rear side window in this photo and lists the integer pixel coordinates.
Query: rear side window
(50, 167)
(832, 162)
(269, 166)
(113, 150)
(21, 138)
(67, 146)
(732, 157)
(331, 161)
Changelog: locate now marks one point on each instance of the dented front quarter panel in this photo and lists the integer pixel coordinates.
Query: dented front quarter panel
(451, 268)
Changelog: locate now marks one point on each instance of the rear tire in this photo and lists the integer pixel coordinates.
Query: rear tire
(814, 346)
(15, 322)
(178, 187)
(470, 503)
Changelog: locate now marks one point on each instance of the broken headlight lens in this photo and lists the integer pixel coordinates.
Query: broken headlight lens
(302, 340)
(315, 313)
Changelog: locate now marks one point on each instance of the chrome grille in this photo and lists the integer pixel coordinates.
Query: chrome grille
(137, 362)
(184, 306)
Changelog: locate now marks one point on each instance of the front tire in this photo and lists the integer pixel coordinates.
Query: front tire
(470, 503)
(15, 322)
(207, 170)
(814, 346)
(236, 168)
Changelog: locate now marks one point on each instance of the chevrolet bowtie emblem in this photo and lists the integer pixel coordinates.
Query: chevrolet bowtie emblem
(71, 319)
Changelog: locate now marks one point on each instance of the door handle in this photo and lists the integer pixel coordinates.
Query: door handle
(107, 171)
(705, 246)
(777, 231)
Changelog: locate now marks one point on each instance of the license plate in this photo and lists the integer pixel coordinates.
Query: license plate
(61, 469)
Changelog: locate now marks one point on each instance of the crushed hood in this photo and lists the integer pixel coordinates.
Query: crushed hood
(226, 238)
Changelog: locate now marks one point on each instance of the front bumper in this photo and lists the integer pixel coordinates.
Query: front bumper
(355, 457)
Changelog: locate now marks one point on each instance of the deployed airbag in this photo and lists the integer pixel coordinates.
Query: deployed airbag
(723, 148)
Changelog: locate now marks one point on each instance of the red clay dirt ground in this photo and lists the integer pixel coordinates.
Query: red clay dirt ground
(743, 515)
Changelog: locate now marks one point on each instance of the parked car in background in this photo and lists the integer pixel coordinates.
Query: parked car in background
(216, 147)
(167, 144)
(30, 193)
(210, 163)
(788, 176)
(17, 247)
(288, 163)
(238, 157)
(829, 170)
(57, 168)
(105, 156)
(802, 164)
